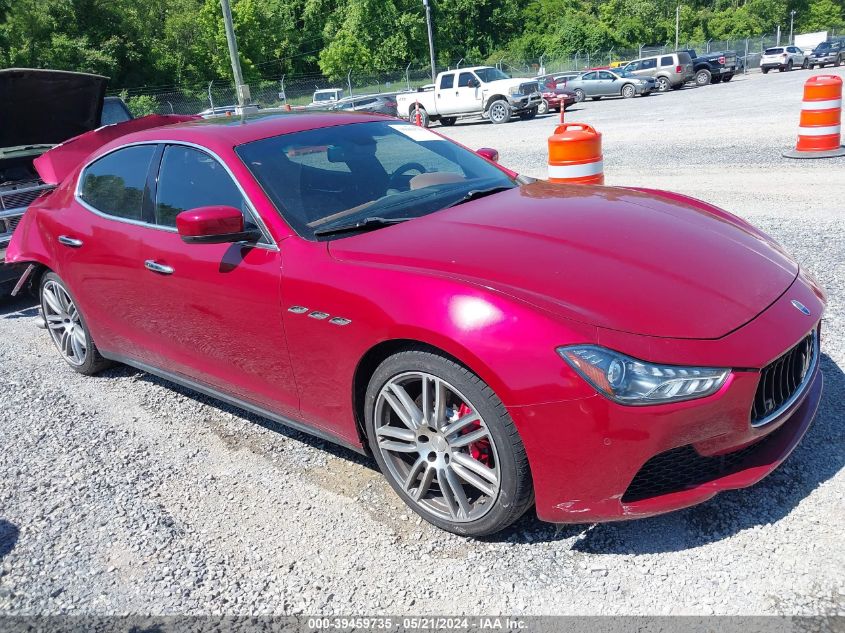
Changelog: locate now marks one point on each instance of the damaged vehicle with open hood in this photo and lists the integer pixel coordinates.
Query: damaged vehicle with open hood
(40, 109)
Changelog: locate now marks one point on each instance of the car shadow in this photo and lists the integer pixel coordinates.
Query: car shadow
(8, 537)
(818, 458)
(327, 446)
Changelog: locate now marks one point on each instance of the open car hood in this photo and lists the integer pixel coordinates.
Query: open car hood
(40, 107)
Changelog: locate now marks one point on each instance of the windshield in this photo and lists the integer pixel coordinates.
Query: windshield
(822, 47)
(490, 74)
(624, 73)
(346, 174)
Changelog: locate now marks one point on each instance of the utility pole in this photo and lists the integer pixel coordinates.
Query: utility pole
(241, 88)
(791, 24)
(778, 39)
(677, 24)
(427, 5)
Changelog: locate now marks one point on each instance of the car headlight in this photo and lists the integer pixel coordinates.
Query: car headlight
(630, 381)
(514, 91)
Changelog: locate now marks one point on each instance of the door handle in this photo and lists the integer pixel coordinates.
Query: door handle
(70, 241)
(161, 269)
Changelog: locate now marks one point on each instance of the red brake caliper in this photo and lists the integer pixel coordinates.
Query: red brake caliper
(479, 450)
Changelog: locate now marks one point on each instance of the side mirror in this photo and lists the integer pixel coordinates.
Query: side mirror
(472, 83)
(489, 153)
(213, 225)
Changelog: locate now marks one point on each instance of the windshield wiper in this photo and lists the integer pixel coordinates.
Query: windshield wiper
(475, 194)
(361, 225)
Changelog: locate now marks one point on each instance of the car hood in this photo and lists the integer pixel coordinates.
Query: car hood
(639, 262)
(48, 106)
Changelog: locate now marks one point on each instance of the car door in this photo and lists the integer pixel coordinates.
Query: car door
(213, 311)
(446, 94)
(607, 84)
(98, 246)
(590, 84)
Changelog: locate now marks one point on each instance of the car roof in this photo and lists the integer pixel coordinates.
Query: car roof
(223, 132)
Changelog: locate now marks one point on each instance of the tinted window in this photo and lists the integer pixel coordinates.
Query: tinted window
(684, 58)
(447, 81)
(319, 179)
(464, 79)
(667, 61)
(648, 64)
(605, 75)
(189, 179)
(589, 76)
(115, 183)
(773, 51)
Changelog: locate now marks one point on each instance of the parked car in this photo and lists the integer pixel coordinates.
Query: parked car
(829, 52)
(68, 104)
(477, 91)
(484, 379)
(783, 58)
(669, 71)
(609, 83)
(378, 103)
(554, 98)
(713, 67)
(326, 97)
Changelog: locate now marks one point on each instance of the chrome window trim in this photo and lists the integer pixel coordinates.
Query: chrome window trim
(799, 392)
(267, 241)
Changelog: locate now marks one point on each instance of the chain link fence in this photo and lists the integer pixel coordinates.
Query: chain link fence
(298, 90)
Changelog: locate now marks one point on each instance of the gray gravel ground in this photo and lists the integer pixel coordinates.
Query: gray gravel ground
(123, 494)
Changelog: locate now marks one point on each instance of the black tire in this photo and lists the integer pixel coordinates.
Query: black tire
(663, 84)
(91, 361)
(448, 120)
(628, 91)
(499, 111)
(516, 493)
(838, 62)
(579, 95)
(812, 66)
(727, 78)
(543, 108)
(703, 77)
(425, 120)
(805, 64)
(765, 71)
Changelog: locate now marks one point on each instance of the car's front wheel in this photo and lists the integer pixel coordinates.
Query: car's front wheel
(67, 327)
(628, 91)
(543, 108)
(446, 444)
(500, 111)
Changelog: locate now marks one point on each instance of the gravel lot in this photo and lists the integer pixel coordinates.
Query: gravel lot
(123, 494)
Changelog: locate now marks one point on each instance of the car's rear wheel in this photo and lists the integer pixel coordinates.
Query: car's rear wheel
(579, 95)
(446, 444)
(703, 77)
(425, 120)
(67, 327)
(663, 84)
(500, 111)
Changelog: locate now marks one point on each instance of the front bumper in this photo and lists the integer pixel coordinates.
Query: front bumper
(827, 59)
(524, 102)
(586, 453)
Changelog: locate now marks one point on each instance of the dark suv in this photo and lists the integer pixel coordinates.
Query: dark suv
(830, 52)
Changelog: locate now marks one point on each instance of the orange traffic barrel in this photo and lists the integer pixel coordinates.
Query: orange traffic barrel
(819, 131)
(575, 155)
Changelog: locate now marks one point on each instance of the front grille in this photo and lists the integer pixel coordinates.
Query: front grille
(683, 468)
(781, 379)
(529, 88)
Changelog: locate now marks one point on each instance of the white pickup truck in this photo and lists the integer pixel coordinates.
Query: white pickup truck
(478, 91)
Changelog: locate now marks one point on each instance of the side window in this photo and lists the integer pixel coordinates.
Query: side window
(634, 65)
(447, 81)
(605, 75)
(115, 183)
(189, 178)
(589, 76)
(667, 61)
(464, 80)
(648, 64)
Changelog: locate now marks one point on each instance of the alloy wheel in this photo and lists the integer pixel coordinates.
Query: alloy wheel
(662, 84)
(437, 447)
(64, 323)
(498, 112)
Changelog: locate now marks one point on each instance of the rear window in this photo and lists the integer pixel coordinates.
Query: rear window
(114, 184)
(684, 58)
(773, 51)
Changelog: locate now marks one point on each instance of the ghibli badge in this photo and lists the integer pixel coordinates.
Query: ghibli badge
(801, 307)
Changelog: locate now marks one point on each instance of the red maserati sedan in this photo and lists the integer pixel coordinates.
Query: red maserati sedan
(493, 341)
